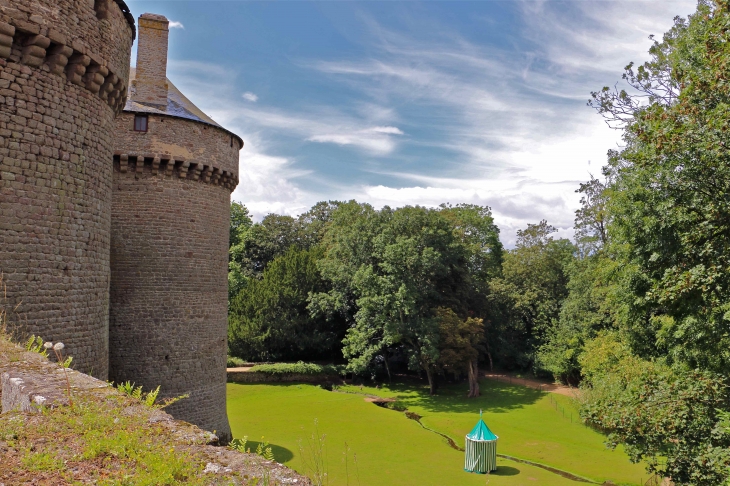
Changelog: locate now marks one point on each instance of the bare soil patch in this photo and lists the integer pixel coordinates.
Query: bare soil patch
(533, 383)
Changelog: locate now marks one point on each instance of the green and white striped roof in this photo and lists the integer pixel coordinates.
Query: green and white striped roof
(481, 433)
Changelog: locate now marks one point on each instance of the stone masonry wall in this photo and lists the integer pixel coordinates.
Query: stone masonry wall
(169, 261)
(63, 76)
(199, 144)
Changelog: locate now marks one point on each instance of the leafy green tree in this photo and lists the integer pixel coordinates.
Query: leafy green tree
(591, 304)
(666, 399)
(672, 419)
(460, 344)
(531, 290)
(670, 199)
(256, 245)
(395, 267)
(261, 243)
(241, 222)
(593, 218)
(315, 222)
(474, 226)
(269, 319)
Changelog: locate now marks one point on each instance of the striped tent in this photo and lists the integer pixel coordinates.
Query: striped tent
(481, 449)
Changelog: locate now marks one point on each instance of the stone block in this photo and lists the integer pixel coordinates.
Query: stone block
(27, 27)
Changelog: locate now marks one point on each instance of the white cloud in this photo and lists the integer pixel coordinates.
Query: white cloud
(320, 124)
(514, 116)
(510, 121)
(176, 25)
(370, 140)
(250, 96)
(267, 183)
(512, 209)
(390, 130)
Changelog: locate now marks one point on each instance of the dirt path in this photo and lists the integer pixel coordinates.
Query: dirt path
(240, 368)
(531, 383)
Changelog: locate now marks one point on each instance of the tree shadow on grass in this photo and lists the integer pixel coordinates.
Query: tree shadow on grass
(280, 384)
(281, 454)
(496, 397)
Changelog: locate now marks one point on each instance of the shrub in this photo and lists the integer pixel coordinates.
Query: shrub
(397, 405)
(299, 368)
(234, 362)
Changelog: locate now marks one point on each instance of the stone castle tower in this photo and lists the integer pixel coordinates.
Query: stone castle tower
(64, 66)
(174, 170)
(114, 213)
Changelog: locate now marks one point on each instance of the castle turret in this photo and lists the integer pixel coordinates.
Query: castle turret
(174, 171)
(64, 66)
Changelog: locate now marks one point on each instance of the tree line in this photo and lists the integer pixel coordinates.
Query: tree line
(404, 287)
(635, 310)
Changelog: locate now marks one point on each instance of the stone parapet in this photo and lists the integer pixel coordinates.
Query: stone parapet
(31, 384)
(179, 139)
(42, 47)
(101, 29)
(170, 166)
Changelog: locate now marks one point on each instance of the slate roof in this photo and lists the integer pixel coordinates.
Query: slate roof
(178, 106)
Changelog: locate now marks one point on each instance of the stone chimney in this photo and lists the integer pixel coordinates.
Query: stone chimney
(150, 84)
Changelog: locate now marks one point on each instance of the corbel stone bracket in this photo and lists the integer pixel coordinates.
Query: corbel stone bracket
(58, 58)
(69, 59)
(34, 50)
(7, 32)
(76, 68)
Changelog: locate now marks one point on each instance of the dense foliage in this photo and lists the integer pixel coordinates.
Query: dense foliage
(269, 319)
(346, 279)
(531, 289)
(662, 281)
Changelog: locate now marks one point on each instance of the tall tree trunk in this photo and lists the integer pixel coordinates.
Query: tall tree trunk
(387, 367)
(431, 383)
(489, 355)
(473, 380)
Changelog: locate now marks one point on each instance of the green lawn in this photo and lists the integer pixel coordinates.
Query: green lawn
(393, 450)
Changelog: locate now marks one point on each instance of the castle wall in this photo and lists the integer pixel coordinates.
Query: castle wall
(64, 67)
(169, 262)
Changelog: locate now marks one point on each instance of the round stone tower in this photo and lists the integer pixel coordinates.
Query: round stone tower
(174, 171)
(64, 65)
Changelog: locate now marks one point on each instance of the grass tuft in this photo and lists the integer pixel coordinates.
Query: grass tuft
(131, 451)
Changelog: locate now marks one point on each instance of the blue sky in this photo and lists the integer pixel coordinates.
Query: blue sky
(412, 102)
